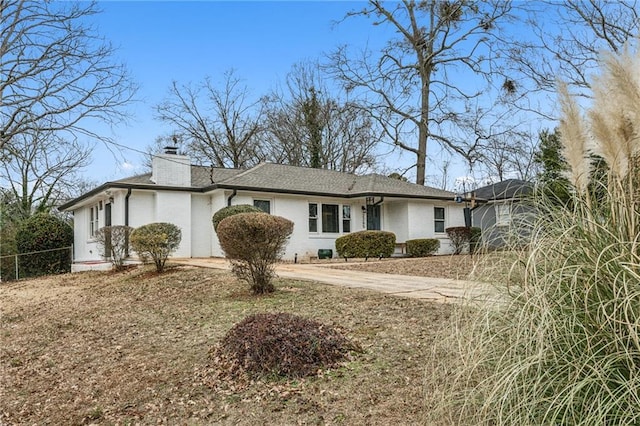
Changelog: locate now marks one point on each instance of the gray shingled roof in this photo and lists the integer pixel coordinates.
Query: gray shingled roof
(279, 178)
(282, 178)
(200, 176)
(510, 188)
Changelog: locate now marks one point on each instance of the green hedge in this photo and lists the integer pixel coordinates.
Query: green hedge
(366, 244)
(422, 247)
(225, 212)
(51, 238)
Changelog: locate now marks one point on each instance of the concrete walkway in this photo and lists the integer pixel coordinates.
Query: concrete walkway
(437, 289)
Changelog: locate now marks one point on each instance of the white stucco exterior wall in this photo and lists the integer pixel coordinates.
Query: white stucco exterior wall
(201, 226)
(175, 207)
(142, 208)
(397, 220)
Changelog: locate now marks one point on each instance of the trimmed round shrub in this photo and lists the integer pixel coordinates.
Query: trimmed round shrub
(254, 242)
(281, 344)
(225, 212)
(459, 236)
(157, 241)
(366, 244)
(422, 247)
(49, 235)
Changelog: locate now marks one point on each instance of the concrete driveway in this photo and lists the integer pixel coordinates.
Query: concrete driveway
(436, 289)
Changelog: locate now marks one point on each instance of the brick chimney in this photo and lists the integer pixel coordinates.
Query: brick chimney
(171, 169)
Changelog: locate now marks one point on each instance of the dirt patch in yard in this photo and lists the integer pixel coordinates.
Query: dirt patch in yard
(454, 267)
(134, 347)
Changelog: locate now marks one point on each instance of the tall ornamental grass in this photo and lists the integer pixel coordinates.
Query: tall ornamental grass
(561, 346)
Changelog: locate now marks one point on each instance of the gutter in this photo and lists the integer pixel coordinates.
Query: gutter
(126, 221)
(126, 207)
(233, 194)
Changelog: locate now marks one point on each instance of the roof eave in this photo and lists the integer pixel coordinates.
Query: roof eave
(121, 185)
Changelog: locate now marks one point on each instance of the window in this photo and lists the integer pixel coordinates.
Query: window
(438, 221)
(346, 218)
(93, 220)
(313, 217)
(503, 214)
(330, 218)
(264, 205)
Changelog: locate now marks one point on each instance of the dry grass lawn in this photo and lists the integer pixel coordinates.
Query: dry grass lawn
(133, 348)
(454, 267)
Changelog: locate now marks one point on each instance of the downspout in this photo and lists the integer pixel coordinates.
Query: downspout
(126, 221)
(379, 202)
(233, 194)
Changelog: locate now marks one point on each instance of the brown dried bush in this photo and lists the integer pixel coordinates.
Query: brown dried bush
(254, 242)
(281, 344)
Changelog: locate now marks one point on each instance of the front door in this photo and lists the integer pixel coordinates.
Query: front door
(107, 239)
(373, 217)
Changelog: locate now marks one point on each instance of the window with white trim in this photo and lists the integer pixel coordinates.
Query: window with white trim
(313, 217)
(346, 218)
(330, 218)
(438, 219)
(93, 220)
(503, 214)
(264, 205)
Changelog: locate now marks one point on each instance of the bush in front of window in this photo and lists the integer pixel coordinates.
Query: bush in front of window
(366, 244)
(156, 241)
(115, 241)
(459, 236)
(254, 242)
(47, 239)
(225, 212)
(422, 247)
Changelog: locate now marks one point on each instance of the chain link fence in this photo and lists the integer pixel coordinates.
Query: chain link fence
(35, 263)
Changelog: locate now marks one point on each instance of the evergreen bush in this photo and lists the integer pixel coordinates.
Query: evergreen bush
(52, 238)
(156, 241)
(366, 244)
(225, 212)
(422, 247)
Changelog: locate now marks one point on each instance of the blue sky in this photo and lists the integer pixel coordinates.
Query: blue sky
(185, 41)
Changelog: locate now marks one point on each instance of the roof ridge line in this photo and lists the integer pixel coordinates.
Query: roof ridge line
(245, 172)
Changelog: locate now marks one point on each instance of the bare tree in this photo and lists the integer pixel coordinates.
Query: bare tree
(308, 124)
(219, 124)
(567, 37)
(41, 170)
(417, 86)
(510, 155)
(56, 73)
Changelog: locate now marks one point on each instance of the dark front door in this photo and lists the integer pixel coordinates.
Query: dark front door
(373, 218)
(107, 222)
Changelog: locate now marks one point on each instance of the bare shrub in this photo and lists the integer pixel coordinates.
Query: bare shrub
(115, 241)
(460, 237)
(254, 242)
(281, 344)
